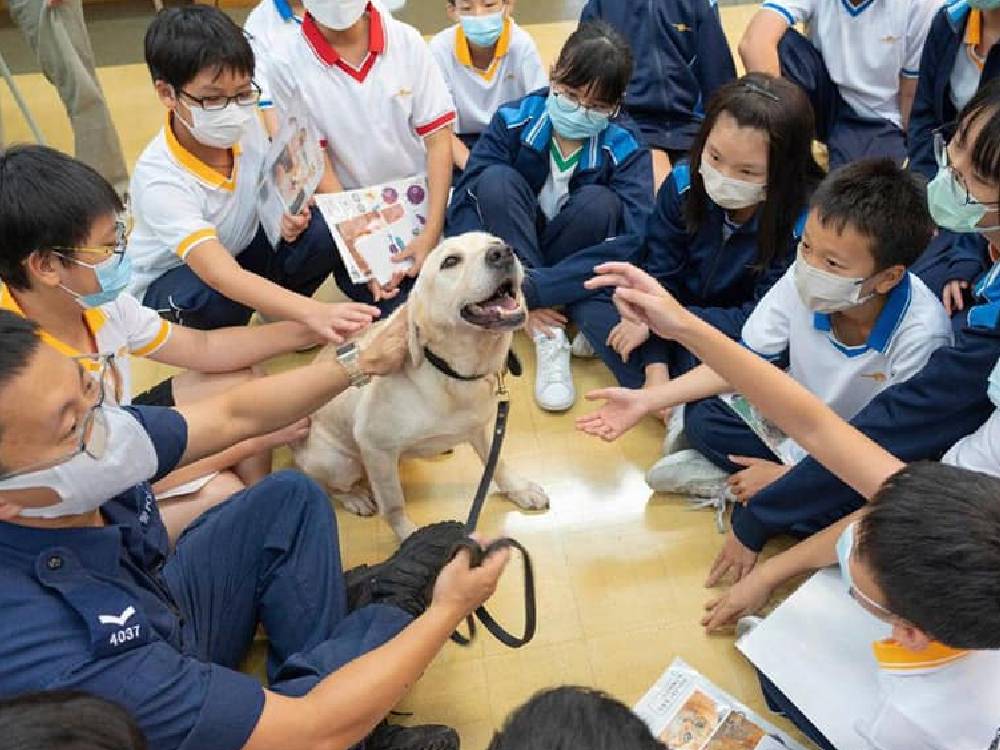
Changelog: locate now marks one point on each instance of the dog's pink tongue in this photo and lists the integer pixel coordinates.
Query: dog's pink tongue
(507, 303)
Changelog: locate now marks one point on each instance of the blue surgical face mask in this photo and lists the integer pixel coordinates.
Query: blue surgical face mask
(483, 31)
(845, 545)
(112, 275)
(577, 124)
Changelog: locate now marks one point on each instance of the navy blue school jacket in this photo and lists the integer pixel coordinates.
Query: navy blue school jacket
(519, 136)
(932, 107)
(715, 278)
(681, 58)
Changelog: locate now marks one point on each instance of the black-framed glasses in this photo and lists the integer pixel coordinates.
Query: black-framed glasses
(92, 431)
(569, 104)
(943, 159)
(215, 103)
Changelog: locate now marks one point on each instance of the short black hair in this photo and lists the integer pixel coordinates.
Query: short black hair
(182, 42)
(574, 718)
(881, 201)
(18, 343)
(597, 59)
(67, 720)
(932, 542)
(47, 200)
(985, 156)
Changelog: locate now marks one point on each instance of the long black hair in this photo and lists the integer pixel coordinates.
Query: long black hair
(781, 110)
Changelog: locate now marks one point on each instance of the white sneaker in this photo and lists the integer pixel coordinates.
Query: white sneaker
(581, 347)
(687, 472)
(676, 439)
(554, 389)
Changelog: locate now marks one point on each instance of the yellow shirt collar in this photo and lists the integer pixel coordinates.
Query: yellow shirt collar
(973, 36)
(894, 657)
(196, 166)
(93, 318)
(464, 54)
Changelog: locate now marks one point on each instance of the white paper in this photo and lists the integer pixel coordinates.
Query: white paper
(373, 224)
(686, 711)
(292, 171)
(816, 647)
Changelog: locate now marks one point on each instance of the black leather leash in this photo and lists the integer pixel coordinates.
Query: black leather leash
(478, 553)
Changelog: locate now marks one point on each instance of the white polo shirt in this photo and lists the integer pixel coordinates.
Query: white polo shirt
(267, 23)
(179, 202)
(516, 71)
(122, 327)
(968, 70)
(866, 47)
(910, 327)
(979, 451)
(937, 699)
(373, 118)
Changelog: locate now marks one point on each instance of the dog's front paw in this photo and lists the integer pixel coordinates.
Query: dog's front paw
(529, 497)
(359, 503)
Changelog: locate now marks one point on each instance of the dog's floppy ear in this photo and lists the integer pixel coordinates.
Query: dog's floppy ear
(416, 338)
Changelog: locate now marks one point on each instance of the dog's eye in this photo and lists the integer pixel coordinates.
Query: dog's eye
(451, 261)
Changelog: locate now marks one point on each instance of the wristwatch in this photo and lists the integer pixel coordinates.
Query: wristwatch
(349, 356)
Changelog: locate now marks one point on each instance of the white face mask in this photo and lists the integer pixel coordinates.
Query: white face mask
(336, 14)
(219, 128)
(729, 193)
(84, 483)
(825, 292)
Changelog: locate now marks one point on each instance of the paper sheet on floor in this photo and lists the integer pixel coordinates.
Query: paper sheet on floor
(686, 711)
(816, 647)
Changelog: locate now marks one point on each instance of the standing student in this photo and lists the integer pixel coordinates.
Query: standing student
(199, 252)
(381, 106)
(859, 66)
(960, 55)
(487, 60)
(847, 320)
(681, 58)
(725, 226)
(921, 557)
(947, 400)
(557, 176)
(57, 33)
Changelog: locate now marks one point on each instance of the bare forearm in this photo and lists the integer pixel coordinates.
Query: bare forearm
(258, 293)
(216, 462)
(843, 450)
(759, 46)
(231, 349)
(439, 169)
(701, 382)
(818, 551)
(907, 93)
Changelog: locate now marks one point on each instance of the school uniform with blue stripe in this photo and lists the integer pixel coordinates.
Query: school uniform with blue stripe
(918, 420)
(681, 58)
(601, 218)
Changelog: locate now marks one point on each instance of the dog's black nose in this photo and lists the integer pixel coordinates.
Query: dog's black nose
(500, 256)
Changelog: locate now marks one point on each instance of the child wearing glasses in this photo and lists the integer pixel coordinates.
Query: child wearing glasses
(63, 264)
(567, 184)
(198, 251)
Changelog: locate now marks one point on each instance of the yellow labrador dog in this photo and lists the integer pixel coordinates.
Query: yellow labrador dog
(463, 311)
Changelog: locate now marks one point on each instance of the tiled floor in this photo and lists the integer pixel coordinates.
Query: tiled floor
(620, 570)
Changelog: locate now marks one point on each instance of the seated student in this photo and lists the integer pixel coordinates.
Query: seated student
(922, 418)
(859, 67)
(67, 720)
(960, 55)
(726, 226)
(574, 718)
(847, 319)
(83, 551)
(381, 107)
(681, 58)
(199, 253)
(487, 60)
(556, 176)
(922, 557)
(63, 264)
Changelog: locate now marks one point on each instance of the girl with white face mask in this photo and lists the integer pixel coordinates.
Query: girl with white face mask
(725, 225)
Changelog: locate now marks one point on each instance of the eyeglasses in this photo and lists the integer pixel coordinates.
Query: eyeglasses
(91, 433)
(944, 162)
(569, 103)
(123, 229)
(215, 103)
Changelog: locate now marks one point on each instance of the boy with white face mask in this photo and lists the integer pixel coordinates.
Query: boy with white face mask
(487, 60)
(199, 254)
(847, 320)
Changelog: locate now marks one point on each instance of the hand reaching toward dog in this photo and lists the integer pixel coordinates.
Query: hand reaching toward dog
(621, 411)
(387, 350)
(337, 321)
(640, 299)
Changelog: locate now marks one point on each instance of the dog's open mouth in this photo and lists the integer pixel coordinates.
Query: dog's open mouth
(500, 310)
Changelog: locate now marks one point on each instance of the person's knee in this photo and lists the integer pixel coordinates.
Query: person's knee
(291, 493)
(703, 423)
(496, 184)
(599, 204)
